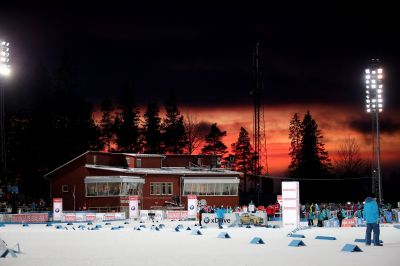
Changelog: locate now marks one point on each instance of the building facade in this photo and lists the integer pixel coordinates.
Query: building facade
(103, 181)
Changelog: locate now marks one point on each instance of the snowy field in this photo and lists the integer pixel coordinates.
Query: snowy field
(48, 246)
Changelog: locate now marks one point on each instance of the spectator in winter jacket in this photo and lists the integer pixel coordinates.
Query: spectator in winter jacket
(371, 216)
(310, 218)
(220, 215)
(321, 217)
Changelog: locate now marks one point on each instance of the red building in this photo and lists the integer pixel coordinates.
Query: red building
(103, 181)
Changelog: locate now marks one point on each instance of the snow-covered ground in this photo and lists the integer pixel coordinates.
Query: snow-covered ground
(48, 246)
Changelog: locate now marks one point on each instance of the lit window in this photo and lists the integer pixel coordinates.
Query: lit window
(161, 188)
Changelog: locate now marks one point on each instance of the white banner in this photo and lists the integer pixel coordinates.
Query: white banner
(57, 209)
(192, 207)
(133, 207)
(290, 204)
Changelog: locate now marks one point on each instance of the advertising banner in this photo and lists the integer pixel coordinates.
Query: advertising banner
(90, 217)
(351, 222)
(109, 216)
(69, 217)
(57, 209)
(30, 218)
(290, 204)
(176, 215)
(133, 207)
(235, 219)
(192, 207)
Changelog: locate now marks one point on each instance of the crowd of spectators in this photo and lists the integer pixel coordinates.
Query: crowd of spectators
(11, 201)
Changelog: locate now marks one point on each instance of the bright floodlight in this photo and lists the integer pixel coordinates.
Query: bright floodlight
(4, 58)
(374, 75)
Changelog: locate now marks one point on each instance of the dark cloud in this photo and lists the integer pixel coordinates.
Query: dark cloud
(364, 125)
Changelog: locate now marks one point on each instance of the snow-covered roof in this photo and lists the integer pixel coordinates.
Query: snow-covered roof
(104, 179)
(139, 155)
(164, 170)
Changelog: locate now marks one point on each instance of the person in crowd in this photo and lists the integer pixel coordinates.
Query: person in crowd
(371, 216)
(340, 216)
(321, 218)
(277, 207)
(310, 217)
(220, 215)
(202, 210)
(270, 212)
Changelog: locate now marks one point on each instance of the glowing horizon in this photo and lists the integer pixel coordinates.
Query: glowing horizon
(333, 122)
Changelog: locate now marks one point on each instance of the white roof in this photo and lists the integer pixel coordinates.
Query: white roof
(164, 170)
(208, 180)
(105, 179)
(139, 155)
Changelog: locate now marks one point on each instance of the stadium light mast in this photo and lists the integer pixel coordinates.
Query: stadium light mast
(374, 106)
(5, 70)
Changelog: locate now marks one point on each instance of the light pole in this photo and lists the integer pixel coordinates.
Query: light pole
(4, 71)
(374, 106)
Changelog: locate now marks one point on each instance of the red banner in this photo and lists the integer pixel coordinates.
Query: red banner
(30, 218)
(349, 222)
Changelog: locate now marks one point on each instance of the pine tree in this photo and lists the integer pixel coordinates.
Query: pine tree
(174, 136)
(314, 161)
(127, 128)
(243, 153)
(152, 130)
(214, 144)
(107, 123)
(295, 145)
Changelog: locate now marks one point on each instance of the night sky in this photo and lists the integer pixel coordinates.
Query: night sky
(313, 59)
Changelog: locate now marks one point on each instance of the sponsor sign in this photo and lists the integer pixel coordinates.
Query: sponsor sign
(349, 222)
(90, 216)
(192, 206)
(70, 217)
(109, 216)
(30, 218)
(57, 209)
(177, 215)
(133, 207)
(236, 218)
(290, 204)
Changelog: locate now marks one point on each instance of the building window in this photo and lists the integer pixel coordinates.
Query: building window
(64, 188)
(128, 161)
(111, 189)
(91, 189)
(138, 163)
(211, 189)
(160, 188)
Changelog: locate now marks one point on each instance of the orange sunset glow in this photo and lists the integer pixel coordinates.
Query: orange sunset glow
(332, 121)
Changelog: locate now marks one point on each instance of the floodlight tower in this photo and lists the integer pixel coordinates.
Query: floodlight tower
(374, 106)
(4, 71)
